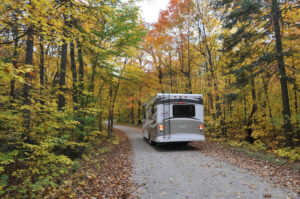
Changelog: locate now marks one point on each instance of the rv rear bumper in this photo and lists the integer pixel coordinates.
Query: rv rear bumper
(179, 137)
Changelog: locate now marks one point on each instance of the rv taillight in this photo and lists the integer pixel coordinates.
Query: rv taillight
(161, 127)
(201, 126)
(180, 103)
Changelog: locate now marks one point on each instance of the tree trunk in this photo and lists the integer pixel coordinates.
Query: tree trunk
(250, 120)
(92, 82)
(12, 90)
(100, 121)
(119, 114)
(160, 76)
(295, 88)
(100, 116)
(269, 106)
(170, 72)
(73, 65)
(211, 101)
(245, 110)
(14, 61)
(222, 122)
(223, 119)
(283, 78)
(42, 65)
(113, 105)
(62, 74)
(81, 73)
(132, 113)
(159, 69)
(189, 64)
(74, 75)
(139, 112)
(109, 125)
(27, 85)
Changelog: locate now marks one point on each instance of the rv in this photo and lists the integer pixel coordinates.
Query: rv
(173, 118)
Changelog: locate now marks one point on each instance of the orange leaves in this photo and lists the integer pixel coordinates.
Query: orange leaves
(6, 70)
(31, 73)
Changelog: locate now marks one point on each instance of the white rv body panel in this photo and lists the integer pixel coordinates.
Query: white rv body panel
(180, 137)
(174, 118)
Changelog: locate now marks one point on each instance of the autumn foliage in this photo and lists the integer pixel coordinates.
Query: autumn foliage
(60, 63)
(242, 55)
(67, 66)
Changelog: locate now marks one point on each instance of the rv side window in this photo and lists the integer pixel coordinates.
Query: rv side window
(184, 110)
(153, 108)
(144, 112)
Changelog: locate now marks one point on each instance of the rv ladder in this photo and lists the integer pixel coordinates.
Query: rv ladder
(164, 114)
(169, 115)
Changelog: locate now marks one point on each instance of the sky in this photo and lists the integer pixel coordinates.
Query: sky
(150, 9)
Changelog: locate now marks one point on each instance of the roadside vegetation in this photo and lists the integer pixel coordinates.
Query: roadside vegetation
(66, 66)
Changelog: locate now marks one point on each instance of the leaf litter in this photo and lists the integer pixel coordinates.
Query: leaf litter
(103, 175)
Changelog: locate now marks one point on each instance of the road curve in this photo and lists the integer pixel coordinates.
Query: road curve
(179, 172)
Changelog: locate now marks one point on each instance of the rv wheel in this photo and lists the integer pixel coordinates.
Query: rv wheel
(184, 143)
(150, 141)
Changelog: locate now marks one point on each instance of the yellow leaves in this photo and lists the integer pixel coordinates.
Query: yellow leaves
(8, 158)
(257, 133)
(235, 143)
(101, 133)
(72, 195)
(292, 154)
(64, 160)
(256, 146)
(116, 141)
(132, 51)
(9, 72)
(87, 27)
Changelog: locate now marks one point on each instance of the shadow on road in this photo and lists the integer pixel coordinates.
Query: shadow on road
(174, 147)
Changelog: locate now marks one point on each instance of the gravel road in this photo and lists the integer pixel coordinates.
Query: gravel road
(180, 172)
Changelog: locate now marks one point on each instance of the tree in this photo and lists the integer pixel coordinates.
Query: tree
(247, 17)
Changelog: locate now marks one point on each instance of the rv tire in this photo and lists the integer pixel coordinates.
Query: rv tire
(184, 143)
(152, 143)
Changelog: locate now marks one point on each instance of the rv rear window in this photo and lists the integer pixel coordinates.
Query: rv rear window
(184, 110)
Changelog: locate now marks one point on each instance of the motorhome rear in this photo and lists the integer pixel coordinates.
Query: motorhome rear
(174, 118)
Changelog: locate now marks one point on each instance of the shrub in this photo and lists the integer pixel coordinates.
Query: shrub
(292, 154)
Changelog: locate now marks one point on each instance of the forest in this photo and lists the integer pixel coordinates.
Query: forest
(67, 66)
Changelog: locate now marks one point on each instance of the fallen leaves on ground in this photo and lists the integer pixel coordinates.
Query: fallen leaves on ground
(279, 175)
(104, 175)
